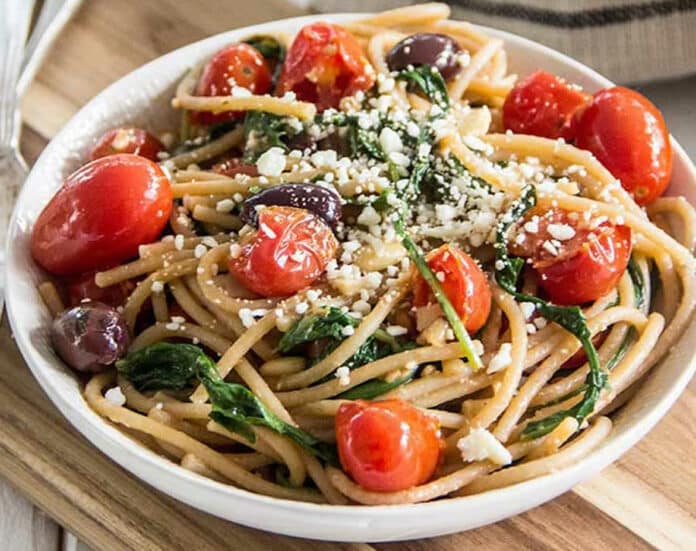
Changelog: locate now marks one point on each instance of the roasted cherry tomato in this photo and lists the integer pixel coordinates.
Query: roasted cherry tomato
(543, 104)
(628, 135)
(323, 65)
(84, 287)
(464, 283)
(577, 261)
(100, 216)
(288, 252)
(127, 140)
(387, 446)
(233, 166)
(238, 65)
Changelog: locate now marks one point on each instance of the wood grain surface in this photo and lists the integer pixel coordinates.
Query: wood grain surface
(647, 500)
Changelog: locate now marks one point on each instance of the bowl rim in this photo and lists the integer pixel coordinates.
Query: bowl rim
(164, 475)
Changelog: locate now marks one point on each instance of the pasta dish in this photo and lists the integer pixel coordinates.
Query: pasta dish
(372, 266)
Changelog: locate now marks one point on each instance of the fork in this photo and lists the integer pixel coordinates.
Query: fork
(14, 25)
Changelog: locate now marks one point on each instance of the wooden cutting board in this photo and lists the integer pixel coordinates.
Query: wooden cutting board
(646, 500)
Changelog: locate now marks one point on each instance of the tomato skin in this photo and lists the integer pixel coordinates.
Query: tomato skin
(241, 63)
(289, 252)
(324, 64)
(628, 135)
(465, 285)
(587, 266)
(543, 104)
(84, 287)
(127, 139)
(100, 216)
(387, 446)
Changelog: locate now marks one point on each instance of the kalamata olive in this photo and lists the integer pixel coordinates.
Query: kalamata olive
(437, 50)
(319, 200)
(90, 337)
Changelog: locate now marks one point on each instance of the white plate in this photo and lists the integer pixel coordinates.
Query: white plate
(142, 97)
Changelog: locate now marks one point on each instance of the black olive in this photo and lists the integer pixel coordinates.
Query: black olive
(321, 201)
(90, 336)
(437, 50)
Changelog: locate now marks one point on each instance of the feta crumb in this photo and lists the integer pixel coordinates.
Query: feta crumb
(271, 162)
(301, 307)
(157, 287)
(396, 330)
(501, 359)
(225, 205)
(527, 309)
(179, 242)
(369, 216)
(246, 317)
(562, 232)
(348, 330)
(390, 141)
(115, 396)
(343, 375)
(200, 250)
(481, 445)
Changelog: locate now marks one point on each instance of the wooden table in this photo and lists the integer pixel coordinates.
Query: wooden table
(648, 499)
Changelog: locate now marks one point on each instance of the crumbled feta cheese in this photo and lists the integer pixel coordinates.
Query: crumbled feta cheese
(481, 445)
(324, 159)
(157, 287)
(527, 309)
(369, 216)
(246, 317)
(396, 330)
(271, 162)
(562, 232)
(348, 330)
(502, 358)
(240, 92)
(225, 205)
(179, 242)
(115, 396)
(301, 307)
(235, 250)
(343, 375)
(390, 141)
(200, 250)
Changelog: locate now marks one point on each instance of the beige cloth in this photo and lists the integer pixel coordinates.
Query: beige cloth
(625, 40)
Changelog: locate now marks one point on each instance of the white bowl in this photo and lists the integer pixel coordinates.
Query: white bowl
(142, 97)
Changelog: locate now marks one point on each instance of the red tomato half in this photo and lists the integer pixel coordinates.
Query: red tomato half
(387, 446)
(289, 251)
(628, 135)
(464, 283)
(324, 64)
(127, 140)
(100, 216)
(586, 266)
(543, 104)
(84, 287)
(236, 65)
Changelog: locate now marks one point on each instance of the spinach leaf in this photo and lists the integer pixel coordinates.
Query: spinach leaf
(267, 46)
(328, 324)
(571, 318)
(161, 366)
(428, 80)
(450, 313)
(168, 366)
(373, 388)
(265, 130)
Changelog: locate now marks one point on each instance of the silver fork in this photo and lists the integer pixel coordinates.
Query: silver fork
(14, 25)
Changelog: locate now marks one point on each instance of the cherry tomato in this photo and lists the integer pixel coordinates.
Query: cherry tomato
(236, 65)
(289, 251)
(628, 135)
(233, 166)
(100, 216)
(543, 104)
(127, 140)
(582, 267)
(84, 287)
(324, 64)
(464, 283)
(388, 445)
